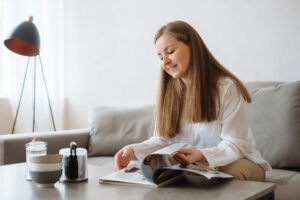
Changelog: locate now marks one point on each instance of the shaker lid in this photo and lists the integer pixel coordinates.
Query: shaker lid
(79, 151)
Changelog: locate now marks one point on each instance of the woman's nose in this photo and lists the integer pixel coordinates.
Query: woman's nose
(166, 61)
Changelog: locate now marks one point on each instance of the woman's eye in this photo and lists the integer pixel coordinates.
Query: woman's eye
(170, 51)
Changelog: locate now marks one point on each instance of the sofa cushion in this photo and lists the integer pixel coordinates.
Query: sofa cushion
(295, 179)
(274, 117)
(283, 176)
(101, 160)
(114, 128)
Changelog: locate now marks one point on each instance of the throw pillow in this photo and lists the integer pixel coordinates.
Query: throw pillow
(114, 128)
(274, 117)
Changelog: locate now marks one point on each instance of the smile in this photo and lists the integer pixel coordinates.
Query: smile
(172, 68)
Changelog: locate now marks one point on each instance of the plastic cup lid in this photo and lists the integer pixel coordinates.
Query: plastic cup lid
(36, 145)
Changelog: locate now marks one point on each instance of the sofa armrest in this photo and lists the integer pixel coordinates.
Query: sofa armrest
(12, 147)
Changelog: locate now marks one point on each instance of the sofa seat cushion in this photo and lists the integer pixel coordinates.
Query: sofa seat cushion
(295, 179)
(282, 176)
(100, 160)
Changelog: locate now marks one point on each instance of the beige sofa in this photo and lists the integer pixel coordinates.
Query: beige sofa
(274, 118)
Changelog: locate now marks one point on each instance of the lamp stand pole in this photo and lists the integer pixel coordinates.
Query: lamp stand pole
(49, 103)
(34, 95)
(34, 92)
(20, 98)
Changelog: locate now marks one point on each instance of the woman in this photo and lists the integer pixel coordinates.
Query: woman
(202, 104)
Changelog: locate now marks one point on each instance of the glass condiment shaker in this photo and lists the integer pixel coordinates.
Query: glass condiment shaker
(74, 164)
(34, 148)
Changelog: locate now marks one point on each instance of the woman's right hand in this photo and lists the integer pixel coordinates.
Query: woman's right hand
(123, 157)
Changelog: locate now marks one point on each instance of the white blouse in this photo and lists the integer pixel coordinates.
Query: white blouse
(222, 141)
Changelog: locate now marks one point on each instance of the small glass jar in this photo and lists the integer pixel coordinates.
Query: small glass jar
(35, 148)
(80, 162)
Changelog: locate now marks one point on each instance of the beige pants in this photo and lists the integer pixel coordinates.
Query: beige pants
(244, 169)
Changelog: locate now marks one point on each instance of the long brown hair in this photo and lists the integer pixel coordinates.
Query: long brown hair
(201, 97)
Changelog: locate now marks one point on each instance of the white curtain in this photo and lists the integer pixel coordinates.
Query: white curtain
(48, 16)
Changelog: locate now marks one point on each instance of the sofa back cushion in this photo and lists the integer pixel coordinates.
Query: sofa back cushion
(114, 128)
(274, 117)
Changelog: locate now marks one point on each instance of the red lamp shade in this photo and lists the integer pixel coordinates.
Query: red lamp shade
(25, 39)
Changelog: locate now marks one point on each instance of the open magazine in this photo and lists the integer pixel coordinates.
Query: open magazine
(160, 168)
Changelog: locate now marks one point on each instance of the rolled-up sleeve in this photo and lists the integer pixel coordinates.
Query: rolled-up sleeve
(236, 137)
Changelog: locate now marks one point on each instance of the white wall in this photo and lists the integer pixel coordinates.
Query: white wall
(110, 58)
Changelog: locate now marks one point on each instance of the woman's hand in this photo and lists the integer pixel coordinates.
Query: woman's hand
(123, 157)
(189, 155)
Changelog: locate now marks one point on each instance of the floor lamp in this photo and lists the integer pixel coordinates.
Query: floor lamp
(25, 40)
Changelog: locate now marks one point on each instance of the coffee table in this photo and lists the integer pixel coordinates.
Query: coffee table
(14, 186)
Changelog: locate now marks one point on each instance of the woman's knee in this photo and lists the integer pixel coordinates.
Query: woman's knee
(244, 169)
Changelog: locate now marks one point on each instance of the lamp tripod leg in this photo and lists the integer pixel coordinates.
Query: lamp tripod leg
(20, 98)
(34, 92)
(50, 107)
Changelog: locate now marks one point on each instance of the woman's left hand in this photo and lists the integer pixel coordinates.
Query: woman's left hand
(189, 155)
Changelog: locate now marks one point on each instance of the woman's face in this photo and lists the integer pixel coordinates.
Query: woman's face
(174, 56)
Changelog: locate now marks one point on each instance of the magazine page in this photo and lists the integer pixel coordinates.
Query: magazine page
(158, 160)
(129, 177)
(200, 170)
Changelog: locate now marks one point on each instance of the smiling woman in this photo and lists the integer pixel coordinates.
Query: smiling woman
(198, 97)
(175, 56)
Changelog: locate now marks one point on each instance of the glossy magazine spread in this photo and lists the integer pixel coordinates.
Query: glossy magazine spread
(160, 168)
